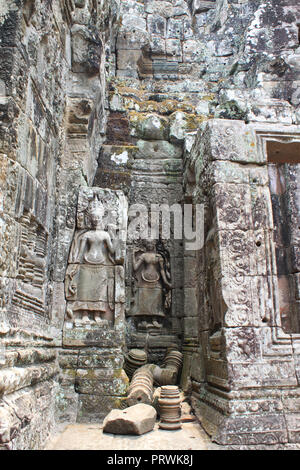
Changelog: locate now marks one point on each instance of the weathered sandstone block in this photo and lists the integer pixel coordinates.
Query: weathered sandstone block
(137, 419)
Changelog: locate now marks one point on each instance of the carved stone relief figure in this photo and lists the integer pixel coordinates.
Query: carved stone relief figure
(31, 290)
(91, 282)
(152, 286)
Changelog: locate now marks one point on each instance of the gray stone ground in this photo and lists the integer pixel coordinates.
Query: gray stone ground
(91, 437)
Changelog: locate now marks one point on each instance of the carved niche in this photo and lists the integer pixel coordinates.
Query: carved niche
(94, 281)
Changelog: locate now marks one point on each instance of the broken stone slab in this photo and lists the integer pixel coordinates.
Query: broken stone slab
(137, 420)
(187, 415)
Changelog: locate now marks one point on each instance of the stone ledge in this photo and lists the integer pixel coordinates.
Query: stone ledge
(83, 337)
(201, 6)
(16, 378)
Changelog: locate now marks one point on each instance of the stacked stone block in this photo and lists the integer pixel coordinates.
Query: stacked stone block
(241, 327)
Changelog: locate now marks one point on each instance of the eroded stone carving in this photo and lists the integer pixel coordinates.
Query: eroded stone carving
(152, 290)
(94, 278)
(30, 293)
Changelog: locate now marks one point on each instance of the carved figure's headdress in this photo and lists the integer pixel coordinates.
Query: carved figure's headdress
(96, 209)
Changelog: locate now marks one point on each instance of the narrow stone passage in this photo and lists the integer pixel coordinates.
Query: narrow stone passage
(91, 437)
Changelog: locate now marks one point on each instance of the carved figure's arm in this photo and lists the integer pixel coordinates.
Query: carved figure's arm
(136, 264)
(81, 247)
(163, 273)
(109, 244)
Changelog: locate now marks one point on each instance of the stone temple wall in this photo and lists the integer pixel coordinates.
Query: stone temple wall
(52, 82)
(170, 102)
(246, 386)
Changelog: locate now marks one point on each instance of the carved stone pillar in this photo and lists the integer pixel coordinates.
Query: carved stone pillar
(95, 294)
(249, 393)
